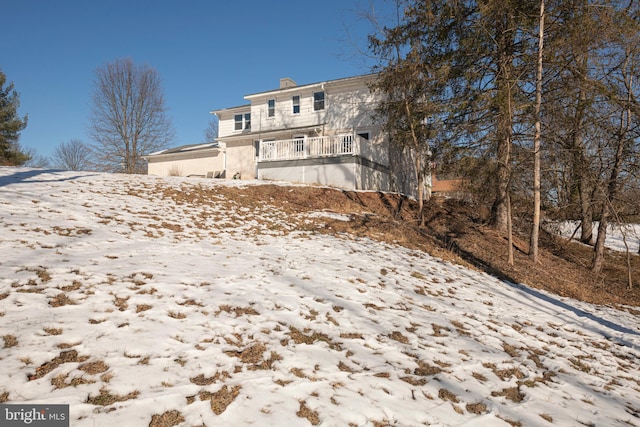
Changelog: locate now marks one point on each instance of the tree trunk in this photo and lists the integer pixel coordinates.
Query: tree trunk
(598, 250)
(535, 229)
(418, 162)
(585, 199)
(504, 132)
(580, 162)
(612, 186)
(509, 230)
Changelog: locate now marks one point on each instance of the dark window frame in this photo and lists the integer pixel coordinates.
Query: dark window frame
(271, 107)
(295, 101)
(318, 101)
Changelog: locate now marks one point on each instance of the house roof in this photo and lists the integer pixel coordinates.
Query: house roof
(305, 86)
(237, 107)
(186, 148)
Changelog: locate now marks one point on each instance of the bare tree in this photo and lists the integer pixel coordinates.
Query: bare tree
(128, 118)
(35, 160)
(73, 155)
(211, 132)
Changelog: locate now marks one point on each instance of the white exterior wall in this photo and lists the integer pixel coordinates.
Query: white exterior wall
(241, 158)
(348, 106)
(226, 121)
(184, 164)
(372, 179)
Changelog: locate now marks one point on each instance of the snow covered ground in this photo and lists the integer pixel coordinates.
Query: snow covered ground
(616, 235)
(138, 309)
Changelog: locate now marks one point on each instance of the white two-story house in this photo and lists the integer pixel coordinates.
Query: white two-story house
(320, 133)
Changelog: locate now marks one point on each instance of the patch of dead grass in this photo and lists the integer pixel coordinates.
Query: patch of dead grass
(191, 302)
(510, 350)
(106, 398)
(506, 373)
(478, 408)
(251, 354)
(352, 335)
(10, 341)
(438, 330)
(201, 380)
(511, 393)
(94, 368)
(69, 356)
(61, 300)
(479, 377)
(166, 419)
(513, 423)
(238, 311)
(548, 418)
(445, 394)
(398, 336)
(143, 307)
(74, 286)
(121, 303)
(254, 357)
(60, 381)
(418, 382)
(309, 414)
(224, 397)
(426, 370)
(299, 337)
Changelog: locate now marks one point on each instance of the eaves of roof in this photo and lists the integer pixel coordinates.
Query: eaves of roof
(186, 149)
(230, 109)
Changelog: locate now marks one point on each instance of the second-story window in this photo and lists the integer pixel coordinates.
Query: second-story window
(271, 108)
(242, 121)
(296, 104)
(318, 101)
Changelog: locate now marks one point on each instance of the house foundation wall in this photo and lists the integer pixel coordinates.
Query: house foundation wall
(347, 172)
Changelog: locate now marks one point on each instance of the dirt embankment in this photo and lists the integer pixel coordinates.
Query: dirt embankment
(455, 231)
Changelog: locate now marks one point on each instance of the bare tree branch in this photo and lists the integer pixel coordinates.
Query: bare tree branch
(128, 118)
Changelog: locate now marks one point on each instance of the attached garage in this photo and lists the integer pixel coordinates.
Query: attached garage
(203, 160)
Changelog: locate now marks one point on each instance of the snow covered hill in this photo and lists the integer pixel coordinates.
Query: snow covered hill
(138, 310)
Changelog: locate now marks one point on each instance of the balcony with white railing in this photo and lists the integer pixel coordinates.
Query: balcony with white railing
(309, 147)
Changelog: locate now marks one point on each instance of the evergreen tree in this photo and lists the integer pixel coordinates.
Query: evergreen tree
(10, 125)
(420, 86)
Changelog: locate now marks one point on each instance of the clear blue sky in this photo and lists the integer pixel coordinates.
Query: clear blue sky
(208, 53)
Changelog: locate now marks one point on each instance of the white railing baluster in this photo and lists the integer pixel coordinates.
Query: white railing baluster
(319, 146)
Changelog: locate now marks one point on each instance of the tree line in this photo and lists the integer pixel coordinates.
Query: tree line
(127, 121)
(534, 101)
